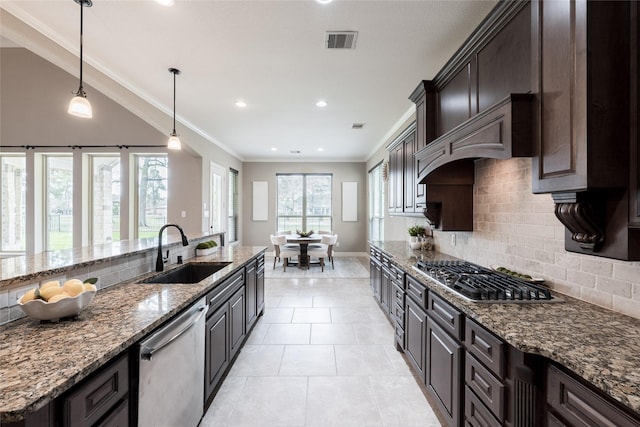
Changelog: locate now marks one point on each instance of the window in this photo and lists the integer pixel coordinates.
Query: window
(376, 203)
(105, 199)
(232, 227)
(151, 188)
(304, 202)
(13, 183)
(59, 202)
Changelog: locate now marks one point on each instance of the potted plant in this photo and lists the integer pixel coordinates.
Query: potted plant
(415, 232)
(206, 248)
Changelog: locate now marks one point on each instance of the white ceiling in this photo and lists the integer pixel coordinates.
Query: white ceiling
(271, 55)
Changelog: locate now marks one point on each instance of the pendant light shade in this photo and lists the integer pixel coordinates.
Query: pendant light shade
(174, 141)
(79, 105)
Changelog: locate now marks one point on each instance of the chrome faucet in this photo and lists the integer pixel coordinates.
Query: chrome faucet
(160, 261)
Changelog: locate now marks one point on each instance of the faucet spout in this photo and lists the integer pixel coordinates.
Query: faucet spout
(160, 260)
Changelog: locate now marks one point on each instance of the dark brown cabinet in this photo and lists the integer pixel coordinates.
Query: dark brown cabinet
(443, 371)
(385, 290)
(586, 130)
(573, 404)
(375, 272)
(396, 179)
(405, 196)
(415, 325)
(251, 292)
(225, 329)
(260, 286)
(101, 399)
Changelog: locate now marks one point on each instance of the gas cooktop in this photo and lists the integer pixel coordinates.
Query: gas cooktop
(479, 284)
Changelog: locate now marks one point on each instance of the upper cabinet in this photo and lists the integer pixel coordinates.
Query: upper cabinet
(584, 57)
(405, 195)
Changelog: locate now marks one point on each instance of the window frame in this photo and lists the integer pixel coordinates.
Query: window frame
(304, 217)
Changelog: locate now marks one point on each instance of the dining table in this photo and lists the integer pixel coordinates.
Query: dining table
(303, 258)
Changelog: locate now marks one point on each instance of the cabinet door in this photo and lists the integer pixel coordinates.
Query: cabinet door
(443, 372)
(251, 293)
(119, 416)
(396, 178)
(409, 173)
(385, 290)
(375, 276)
(217, 351)
(237, 320)
(260, 289)
(415, 323)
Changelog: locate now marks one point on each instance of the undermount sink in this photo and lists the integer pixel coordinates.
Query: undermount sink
(190, 273)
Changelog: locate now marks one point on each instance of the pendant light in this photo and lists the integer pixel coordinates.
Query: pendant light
(79, 105)
(174, 141)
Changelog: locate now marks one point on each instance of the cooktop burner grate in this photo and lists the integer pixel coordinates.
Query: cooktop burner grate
(477, 283)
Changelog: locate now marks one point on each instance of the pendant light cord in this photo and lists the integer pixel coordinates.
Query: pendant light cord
(174, 102)
(80, 89)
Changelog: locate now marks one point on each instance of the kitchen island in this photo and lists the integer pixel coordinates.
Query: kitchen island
(39, 361)
(599, 346)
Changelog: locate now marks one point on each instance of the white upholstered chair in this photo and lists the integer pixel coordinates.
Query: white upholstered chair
(325, 251)
(281, 252)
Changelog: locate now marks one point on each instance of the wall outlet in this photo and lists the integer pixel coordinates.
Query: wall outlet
(453, 239)
(183, 214)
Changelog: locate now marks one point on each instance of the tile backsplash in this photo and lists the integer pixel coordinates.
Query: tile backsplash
(518, 229)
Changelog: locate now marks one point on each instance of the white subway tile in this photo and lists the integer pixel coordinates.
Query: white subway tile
(613, 286)
(626, 306)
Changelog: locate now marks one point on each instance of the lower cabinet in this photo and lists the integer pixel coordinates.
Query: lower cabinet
(260, 286)
(251, 292)
(101, 399)
(415, 327)
(572, 403)
(443, 375)
(385, 290)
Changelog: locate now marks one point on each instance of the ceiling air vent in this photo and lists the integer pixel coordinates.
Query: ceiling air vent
(357, 126)
(341, 39)
(294, 151)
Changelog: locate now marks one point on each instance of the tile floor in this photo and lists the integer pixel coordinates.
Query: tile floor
(321, 355)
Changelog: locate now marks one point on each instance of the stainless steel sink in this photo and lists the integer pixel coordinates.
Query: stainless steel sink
(189, 273)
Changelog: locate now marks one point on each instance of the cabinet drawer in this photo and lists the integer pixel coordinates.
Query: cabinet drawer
(487, 387)
(445, 315)
(416, 290)
(385, 260)
(224, 291)
(97, 394)
(398, 294)
(397, 275)
(400, 335)
(398, 314)
(475, 413)
(581, 406)
(486, 347)
(119, 417)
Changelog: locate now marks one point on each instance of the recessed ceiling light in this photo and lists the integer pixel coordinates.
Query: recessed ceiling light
(241, 104)
(321, 103)
(320, 149)
(165, 2)
(274, 149)
(324, 1)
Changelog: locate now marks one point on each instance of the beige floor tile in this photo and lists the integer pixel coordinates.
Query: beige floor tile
(341, 402)
(271, 401)
(363, 360)
(308, 360)
(219, 413)
(351, 314)
(258, 360)
(329, 301)
(296, 302)
(258, 332)
(401, 403)
(280, 333)
(277, 315)
(374, 333)
(311, 315)
(334, 333)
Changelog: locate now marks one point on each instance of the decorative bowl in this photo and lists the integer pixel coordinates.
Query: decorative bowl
(304, 233)
(42, 310)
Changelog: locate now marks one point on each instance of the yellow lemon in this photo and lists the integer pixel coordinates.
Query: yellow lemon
(50, 284)
(73, 287)
(58, 297)
(29, 296)
(50, 291)
(90, 287)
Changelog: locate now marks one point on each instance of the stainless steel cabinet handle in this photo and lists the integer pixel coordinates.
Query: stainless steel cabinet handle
(164, 338)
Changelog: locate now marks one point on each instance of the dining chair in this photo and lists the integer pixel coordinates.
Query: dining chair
(325, 249)
(281, 252)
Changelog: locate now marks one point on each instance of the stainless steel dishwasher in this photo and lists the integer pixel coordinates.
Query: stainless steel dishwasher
(171, 363)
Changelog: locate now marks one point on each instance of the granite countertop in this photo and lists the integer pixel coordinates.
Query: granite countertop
(30, 267)
(599, 345)
(40, 361)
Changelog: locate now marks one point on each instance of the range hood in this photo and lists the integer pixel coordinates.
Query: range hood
(446, 164)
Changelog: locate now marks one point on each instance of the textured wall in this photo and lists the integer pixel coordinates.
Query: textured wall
(517, 229)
